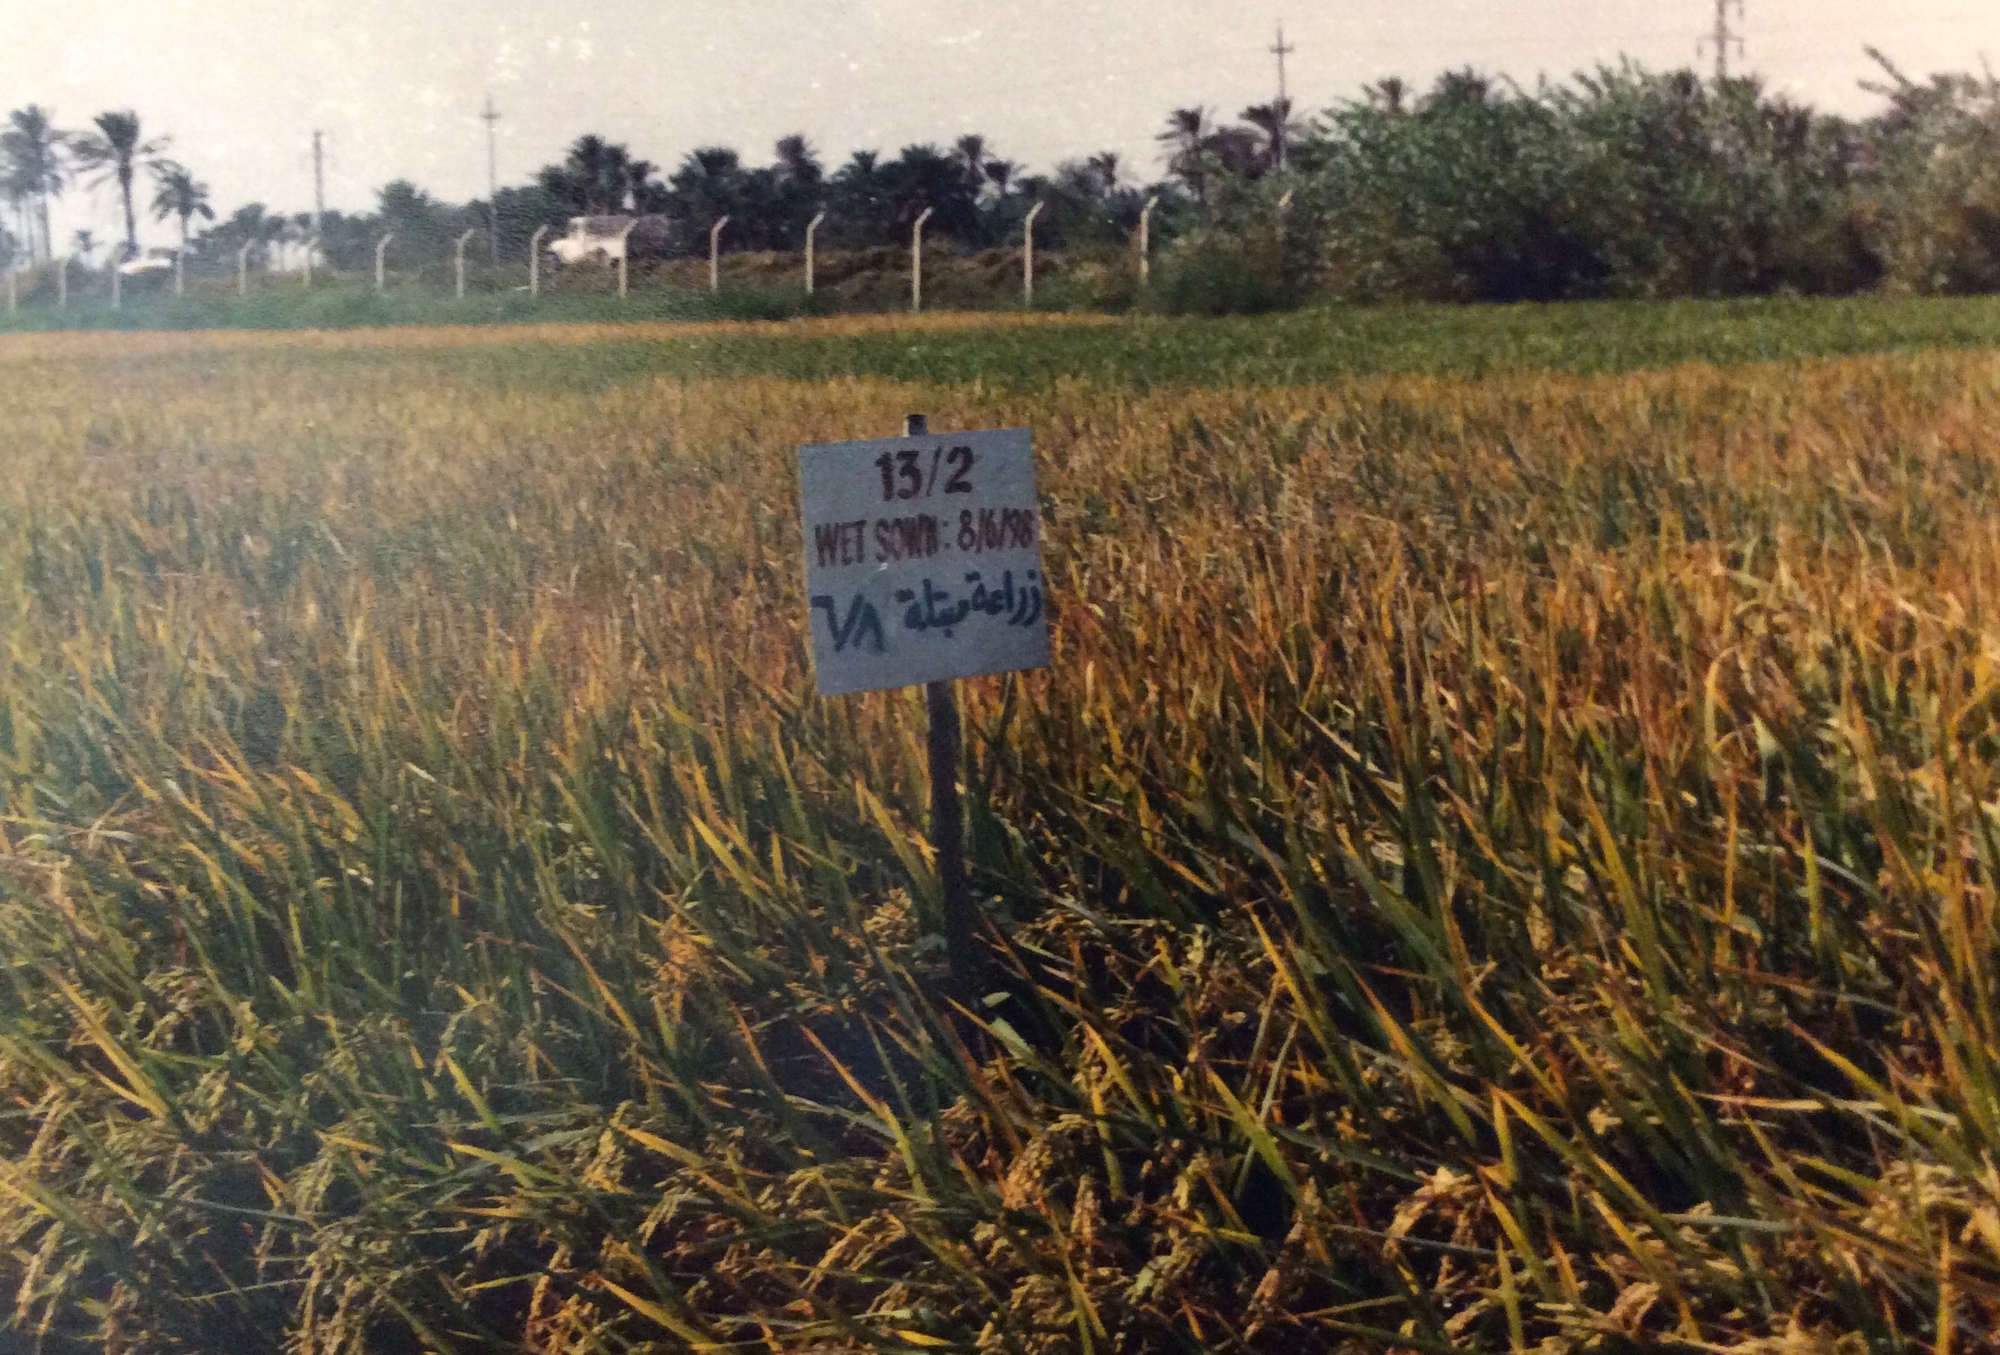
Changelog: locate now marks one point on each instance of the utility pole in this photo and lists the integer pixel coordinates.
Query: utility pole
(490, 117)
(1281, 51)
(1724, 37)
(319, 181)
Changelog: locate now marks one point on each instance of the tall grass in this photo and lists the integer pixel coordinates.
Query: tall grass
(1498, 864)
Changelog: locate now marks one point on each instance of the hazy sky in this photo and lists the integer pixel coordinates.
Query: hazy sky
(397, 84)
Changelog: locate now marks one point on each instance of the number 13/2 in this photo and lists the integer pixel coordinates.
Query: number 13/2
(905, 475)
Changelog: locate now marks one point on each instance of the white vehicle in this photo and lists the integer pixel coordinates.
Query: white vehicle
(152, 261)
(611, 238)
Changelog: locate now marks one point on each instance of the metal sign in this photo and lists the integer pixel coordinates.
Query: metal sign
(923, 559)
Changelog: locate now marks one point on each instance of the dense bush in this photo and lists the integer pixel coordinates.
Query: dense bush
(1218, 273)
(1939, 184)
(1622, 183)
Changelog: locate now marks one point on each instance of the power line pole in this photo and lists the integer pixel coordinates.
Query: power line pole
(1284, 109)
(1724, 36)
(490, 117)
(319, 180)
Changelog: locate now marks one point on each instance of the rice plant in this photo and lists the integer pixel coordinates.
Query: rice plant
(1500, 862)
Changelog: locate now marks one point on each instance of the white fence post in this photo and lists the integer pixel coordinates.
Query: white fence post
(624, 252)
(62, 283)
(312, 243)
(811, 226)
(243, 268)
(1028, 254)
(917, 261)
(117, 286)
(1146, 241)
(715, 253)
(535, 261)
(381, 247)
(458, 263)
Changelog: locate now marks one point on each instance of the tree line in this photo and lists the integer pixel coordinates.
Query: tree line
(1617, 182)
(976, 197)
(39, 161)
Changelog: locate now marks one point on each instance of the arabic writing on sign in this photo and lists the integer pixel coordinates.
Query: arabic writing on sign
(933, 609)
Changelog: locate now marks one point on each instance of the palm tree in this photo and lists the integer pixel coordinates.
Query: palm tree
(179, 194)
(598, 167)
(251, 224)
(16, 197)
(971, 151)
(117, 151)
(1390, 93)
(1274, 121)
(1186, 140)
(33, 150)
(798, 162)
(1236, 151)
(1104, 167)
(858, 199)
(708, 182)
(617, 177)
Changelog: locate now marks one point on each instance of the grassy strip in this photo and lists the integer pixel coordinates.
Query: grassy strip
(1302, 348)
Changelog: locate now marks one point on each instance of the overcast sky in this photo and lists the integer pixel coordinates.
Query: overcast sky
(397, 85)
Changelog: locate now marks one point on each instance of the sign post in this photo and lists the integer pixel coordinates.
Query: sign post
(923, 566)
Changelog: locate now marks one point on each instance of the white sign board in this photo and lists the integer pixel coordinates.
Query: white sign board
(923, 559)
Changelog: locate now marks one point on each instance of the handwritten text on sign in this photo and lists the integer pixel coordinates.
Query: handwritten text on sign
(923, 559)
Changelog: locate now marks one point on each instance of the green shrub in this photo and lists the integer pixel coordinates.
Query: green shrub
(1224, 273)
(1939, 186)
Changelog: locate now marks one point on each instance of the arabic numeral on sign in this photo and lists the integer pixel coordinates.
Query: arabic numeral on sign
(905, 475)
(996, 529)
(902, 477)
(960, 462)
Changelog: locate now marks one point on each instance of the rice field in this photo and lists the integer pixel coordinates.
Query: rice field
(1504, 860)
